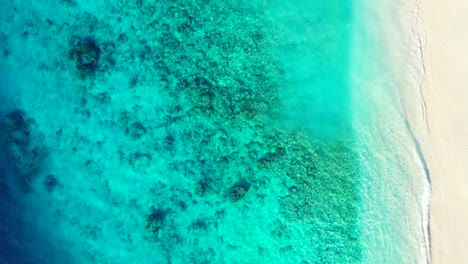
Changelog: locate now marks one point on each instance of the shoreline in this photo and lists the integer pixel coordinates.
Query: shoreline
(442, 125)
(408, 54)
(393, 78)
(421, 142)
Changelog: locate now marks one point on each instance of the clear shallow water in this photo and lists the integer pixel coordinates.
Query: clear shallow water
(395, 190)
(196, 132)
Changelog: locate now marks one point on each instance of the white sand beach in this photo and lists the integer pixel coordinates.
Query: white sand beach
(445, 93)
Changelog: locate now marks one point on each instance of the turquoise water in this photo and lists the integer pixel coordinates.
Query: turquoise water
(200, 131)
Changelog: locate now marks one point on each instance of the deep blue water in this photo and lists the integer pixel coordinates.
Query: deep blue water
(15, 239)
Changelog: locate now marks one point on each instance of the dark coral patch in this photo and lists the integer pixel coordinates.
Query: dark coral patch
(86, 53)
(155, 220)
(15, 123)
(23, 145)
(50, 182)
(135, 130)
(238, 190)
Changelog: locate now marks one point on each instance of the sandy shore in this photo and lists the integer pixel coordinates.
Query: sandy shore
(445, 96)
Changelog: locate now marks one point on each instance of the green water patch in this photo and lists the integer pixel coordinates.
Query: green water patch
(314, 41)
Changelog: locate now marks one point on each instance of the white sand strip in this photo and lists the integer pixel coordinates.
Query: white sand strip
(445, 93)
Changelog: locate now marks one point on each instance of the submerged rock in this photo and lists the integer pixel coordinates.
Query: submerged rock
(86, 53)
(169, 142)
(140, 161)
(202, 187)
(50, 182)
(136, 130)
(239, 190)
(23, 145)
(155, 220)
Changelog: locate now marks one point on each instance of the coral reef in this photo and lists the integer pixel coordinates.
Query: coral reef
(182, 112)
(24, 145)
(86, 54)
(135, 130)
(239, 190)
(155, 220)
(50, 182)
(90, 56)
